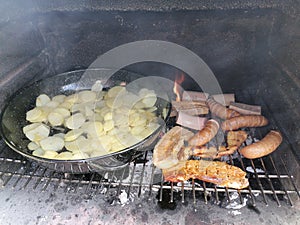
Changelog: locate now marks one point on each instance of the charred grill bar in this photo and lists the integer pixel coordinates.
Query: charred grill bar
(251, 46)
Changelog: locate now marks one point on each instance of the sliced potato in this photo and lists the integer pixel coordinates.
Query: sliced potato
(75, 121)
(94, 129)
(108, 116)
(87, 96)
(42, 100)
(73, 134)
(97, 153)
(33, 114)
(114, 91)
(74, 145)
(33, 146)
(72, 98)
(50, 154)
(52, 143)
(63, 111)
(38, 152)
(149, 100)
(117, 146)
(64, 156)
(108, 125)
(55, 119)
(80, 155)
(137, 130)
(59, 98)
(52, 104)
(114, 103)
(36, 132)
(66, 105)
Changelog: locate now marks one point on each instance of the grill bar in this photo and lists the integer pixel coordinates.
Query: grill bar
(291, 179)
(270, 183)
(287, 195)
(48, 181)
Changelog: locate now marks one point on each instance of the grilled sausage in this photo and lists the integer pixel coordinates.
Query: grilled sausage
(220, 110)
(205, 135)
(244, 121)
(263, 147)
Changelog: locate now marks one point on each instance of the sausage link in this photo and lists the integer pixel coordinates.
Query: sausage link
(263, 147)
(205, 135)
(244, 121)
(220, 110)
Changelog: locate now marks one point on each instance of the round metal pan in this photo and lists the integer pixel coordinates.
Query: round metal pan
(13, 116)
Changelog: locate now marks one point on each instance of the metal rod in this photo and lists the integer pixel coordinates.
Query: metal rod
(100, 184)
(39, 179)
(171, 193)
(88, 187)
(194, 192)
(69, 182)
(151, 179)
(48, 181)
(276, 170)
(249, 187)
(30, 177)
(291, 178)
(182, 192)
(258, 181)
(142, 175)
(161, 187)
(205, 192)
(270, 182)
(110, 183)
(120, 183)
(78, 184)
(216, 194)
(131, 179)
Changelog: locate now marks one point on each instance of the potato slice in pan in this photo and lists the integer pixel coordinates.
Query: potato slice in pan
(42, 100)
(55, 119)
(33, 114)
(108, 125)
(75, 121)
(50, 154)
(114, 103)
(115, 91)
(74, 98)
(73, 134)
(52, 104)
(80, 155)
(94, 129)
(38, 152)
(64, 156)
(87, 96)
(63, 111)
(149, 100)
(36, 131)
(32, 146)
(52, 143)
(66, 105)
(59, 98)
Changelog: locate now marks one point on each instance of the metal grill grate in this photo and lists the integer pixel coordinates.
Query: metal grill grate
(141, 176)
